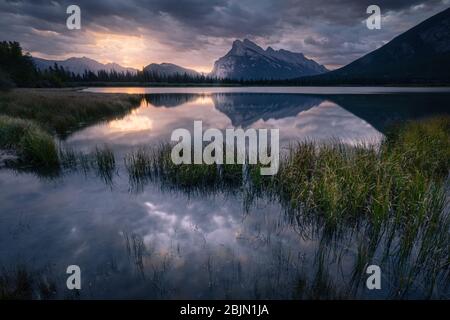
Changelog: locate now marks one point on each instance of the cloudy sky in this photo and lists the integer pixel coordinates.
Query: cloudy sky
(194, 33)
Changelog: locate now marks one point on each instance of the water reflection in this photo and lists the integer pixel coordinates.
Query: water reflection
(384, 110)
(298, 117)
(168, 243)
(152, 245)
(262, 90)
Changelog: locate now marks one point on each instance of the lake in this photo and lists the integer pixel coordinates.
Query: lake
(156, 242)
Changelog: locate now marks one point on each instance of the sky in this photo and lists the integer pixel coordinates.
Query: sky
(195, 33)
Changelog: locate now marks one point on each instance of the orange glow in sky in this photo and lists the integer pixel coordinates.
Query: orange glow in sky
(137, 51)
(128, 51)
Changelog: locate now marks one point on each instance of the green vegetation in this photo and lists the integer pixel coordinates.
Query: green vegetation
(337, 180)
(33, 145)
(21, 284)
(62, 111)
(155, 163)
(393, 198)
(401, 179)
(385, 204)
(100, 160)
(16, 68)
(29, 119)
(105, 162)
(5, 82)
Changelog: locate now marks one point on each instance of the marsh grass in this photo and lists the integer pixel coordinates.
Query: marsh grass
(396, 191)
(63, 111)
(21, 284)
(401, 181)
(155, 164)
(29, 119)
(33, 145)
(101, 160)
(105, 162)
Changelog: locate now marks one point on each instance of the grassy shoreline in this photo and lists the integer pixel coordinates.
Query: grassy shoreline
(63, 111)
(31, 119)
(397, 191)
(405, 176)
(28, 141)
(394, 196)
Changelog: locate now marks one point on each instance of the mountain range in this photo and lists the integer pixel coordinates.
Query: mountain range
(246, 60)
(80, 65)
(419, 55)
(169, 69)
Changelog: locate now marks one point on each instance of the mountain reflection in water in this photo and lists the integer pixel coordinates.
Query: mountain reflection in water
(298, 117)
(162, 242)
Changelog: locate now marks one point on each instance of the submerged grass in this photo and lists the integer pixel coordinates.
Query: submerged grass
(401, 180)
(100, 160)
(105, 162)
(397, 191)
(21, 284)
(146, 164)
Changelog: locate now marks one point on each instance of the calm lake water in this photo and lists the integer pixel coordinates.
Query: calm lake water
(159, 242)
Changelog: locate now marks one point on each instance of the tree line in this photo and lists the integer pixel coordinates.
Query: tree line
(17, 69)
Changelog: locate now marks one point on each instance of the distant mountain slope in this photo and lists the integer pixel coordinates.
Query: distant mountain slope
(246, 60)
(244, 109)
(79, 65)
(169, 69)
(421, 54)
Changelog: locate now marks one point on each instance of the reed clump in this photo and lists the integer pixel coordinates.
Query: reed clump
(105, 162)
(22, 284)
(401, 180)
(155, 163)
(28, 141)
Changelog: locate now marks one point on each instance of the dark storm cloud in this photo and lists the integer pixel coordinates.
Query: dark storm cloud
(345, 12)
(328, 30)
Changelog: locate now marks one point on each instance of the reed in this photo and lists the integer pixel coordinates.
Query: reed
(401, 180)
(33, 145)
(63, 111)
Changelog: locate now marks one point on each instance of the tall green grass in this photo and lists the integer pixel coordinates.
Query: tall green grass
(154, 163)
(29, 118)
(401, 180)
(33, 145)
(63, 111)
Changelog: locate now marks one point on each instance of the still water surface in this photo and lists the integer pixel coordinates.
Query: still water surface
(161, 243)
